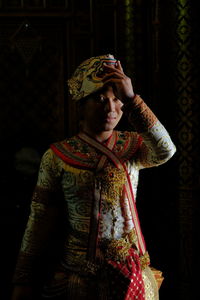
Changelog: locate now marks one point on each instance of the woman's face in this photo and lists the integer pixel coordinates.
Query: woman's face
(102, 111)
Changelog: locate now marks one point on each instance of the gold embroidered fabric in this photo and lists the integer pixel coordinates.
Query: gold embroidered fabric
(157, 147)
(139, 114)
(144, 260)
(39, 227)
(150, 284)
(112, 181)
(118, 250)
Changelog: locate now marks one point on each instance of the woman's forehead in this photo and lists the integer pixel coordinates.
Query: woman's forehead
(107, 89)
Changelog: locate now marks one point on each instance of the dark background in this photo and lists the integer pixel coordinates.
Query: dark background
(41, 43)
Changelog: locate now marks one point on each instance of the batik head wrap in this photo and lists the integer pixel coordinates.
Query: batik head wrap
(88, 77)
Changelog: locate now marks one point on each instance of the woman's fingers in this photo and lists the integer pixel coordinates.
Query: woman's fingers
(119, 66)
(112, 80)
(122, 84)
(112, 75)
(117, 69)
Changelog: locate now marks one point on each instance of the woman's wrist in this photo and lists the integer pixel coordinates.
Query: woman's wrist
(132, 102)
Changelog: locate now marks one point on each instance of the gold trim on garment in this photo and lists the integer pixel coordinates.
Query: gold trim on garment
(144, 260)
(112, 181)
(118, 250)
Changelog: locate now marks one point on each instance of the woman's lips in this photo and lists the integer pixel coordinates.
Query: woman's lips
(110, 119)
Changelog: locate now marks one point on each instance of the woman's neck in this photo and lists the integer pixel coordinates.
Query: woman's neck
(99, 136)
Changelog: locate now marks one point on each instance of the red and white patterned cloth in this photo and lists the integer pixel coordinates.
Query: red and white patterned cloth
(126, 278)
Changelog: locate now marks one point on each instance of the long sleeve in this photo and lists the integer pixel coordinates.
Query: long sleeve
(156, 147)
(42, 218)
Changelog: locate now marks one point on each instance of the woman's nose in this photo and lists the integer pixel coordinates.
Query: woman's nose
(110, 105)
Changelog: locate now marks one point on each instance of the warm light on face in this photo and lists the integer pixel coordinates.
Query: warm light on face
(102, 112)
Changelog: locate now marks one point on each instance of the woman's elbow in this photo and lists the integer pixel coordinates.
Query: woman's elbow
(166, 155)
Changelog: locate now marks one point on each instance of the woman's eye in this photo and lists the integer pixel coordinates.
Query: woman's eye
(101, 99)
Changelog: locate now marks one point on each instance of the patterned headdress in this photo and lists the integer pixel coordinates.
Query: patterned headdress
(88, 77)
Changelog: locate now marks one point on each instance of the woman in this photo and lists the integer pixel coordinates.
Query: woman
(103, 253)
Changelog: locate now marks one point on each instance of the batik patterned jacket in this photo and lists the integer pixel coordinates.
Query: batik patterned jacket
(69, 169)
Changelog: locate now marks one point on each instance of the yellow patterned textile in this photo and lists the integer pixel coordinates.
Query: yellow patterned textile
(143, 118)
(150, 284)
(88, 76)
(112, 181)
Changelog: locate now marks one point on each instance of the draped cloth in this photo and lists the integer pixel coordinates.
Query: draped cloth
(121, 262)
